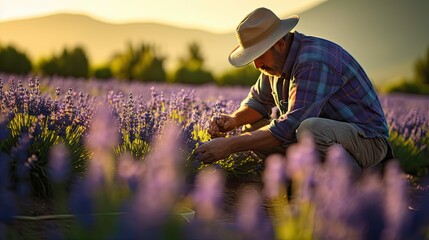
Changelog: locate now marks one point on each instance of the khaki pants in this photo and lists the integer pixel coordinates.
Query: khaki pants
(362, 152)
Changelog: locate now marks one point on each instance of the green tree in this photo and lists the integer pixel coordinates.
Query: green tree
(421, 69)
(78, 62)
(70, 63)
(14, 61)
(143, 63)
(150, 66)
(419, 84)
(49, 67)
(195, 56)
(123, 63)
(102, 72)
(191, 68)
(244, 76)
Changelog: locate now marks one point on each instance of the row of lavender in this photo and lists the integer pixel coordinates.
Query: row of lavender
(135, 103)
(104, 136)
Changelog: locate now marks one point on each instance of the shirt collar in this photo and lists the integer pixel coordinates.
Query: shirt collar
(293, 51)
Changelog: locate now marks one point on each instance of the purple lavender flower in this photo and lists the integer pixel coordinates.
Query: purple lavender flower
(208, 193)
(59, 163)
(302, 162)
(188, 137)
(274, 176)
(57, 91)
(4, 130)
(396, 202)
(217, 110)
(336, 198)
(252, 220)
(368, 218)
(130, 171)
(148, 130)
(160, 187)
(103, 131)
(7, 203)
(21, 154)
(81, 203)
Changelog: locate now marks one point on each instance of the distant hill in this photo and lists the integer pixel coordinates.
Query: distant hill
(43, 36)
(386, 37)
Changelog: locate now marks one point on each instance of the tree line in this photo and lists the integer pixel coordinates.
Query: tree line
(135, 63)
(419, 83)
(144, 63)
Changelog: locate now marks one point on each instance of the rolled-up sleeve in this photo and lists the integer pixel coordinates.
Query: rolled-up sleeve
(310, 89)
(260, 97)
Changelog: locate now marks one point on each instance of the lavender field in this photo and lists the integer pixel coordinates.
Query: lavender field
(85, 159)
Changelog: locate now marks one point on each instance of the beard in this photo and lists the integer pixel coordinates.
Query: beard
(277, 69)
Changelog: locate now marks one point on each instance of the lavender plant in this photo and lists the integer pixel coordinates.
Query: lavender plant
(27, 114)
(130, 147)
(408, 123)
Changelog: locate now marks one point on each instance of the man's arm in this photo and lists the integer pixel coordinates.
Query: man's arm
(221, 148)
(246, 115)
(256, 140)
(243, 115)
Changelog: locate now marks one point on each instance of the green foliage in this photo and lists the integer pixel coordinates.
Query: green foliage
(406, 150)
(143, 64)
(406, 86)
(14, 61)
(421, 69)
(185, 74)
(104, 72)
(245, 76)
(191, 68)
(150, 68)
(195, 57)
(289, 224)
(420, 82)
(42, 140)
(71, 63)
(137, 147)
(21, 125)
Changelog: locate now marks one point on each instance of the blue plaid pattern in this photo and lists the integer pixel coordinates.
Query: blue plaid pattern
(320, 79)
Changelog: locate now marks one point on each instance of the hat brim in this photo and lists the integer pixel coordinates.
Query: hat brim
(240, 56)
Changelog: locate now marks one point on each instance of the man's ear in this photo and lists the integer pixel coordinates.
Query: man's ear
(281, 44)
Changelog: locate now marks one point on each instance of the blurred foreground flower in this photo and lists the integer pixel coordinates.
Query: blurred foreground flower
(59, 163)
(7, 202)
(159, 189)
(252, 219)
(274, 177)
(207, 198)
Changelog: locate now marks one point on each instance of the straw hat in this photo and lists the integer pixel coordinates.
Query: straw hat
(257, 33)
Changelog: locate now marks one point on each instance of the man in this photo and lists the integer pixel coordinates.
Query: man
(317, 87)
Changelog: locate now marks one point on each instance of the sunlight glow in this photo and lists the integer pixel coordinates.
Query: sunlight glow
(217, 16)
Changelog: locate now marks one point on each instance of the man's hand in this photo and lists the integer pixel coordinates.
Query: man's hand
(219, 126)
(213, 150)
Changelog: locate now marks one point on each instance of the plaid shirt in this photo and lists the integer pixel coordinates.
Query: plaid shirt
(320, 79)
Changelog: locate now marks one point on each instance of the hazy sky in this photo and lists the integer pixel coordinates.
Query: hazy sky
(213, 15)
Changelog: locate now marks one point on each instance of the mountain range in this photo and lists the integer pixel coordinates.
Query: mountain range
(386, 37)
